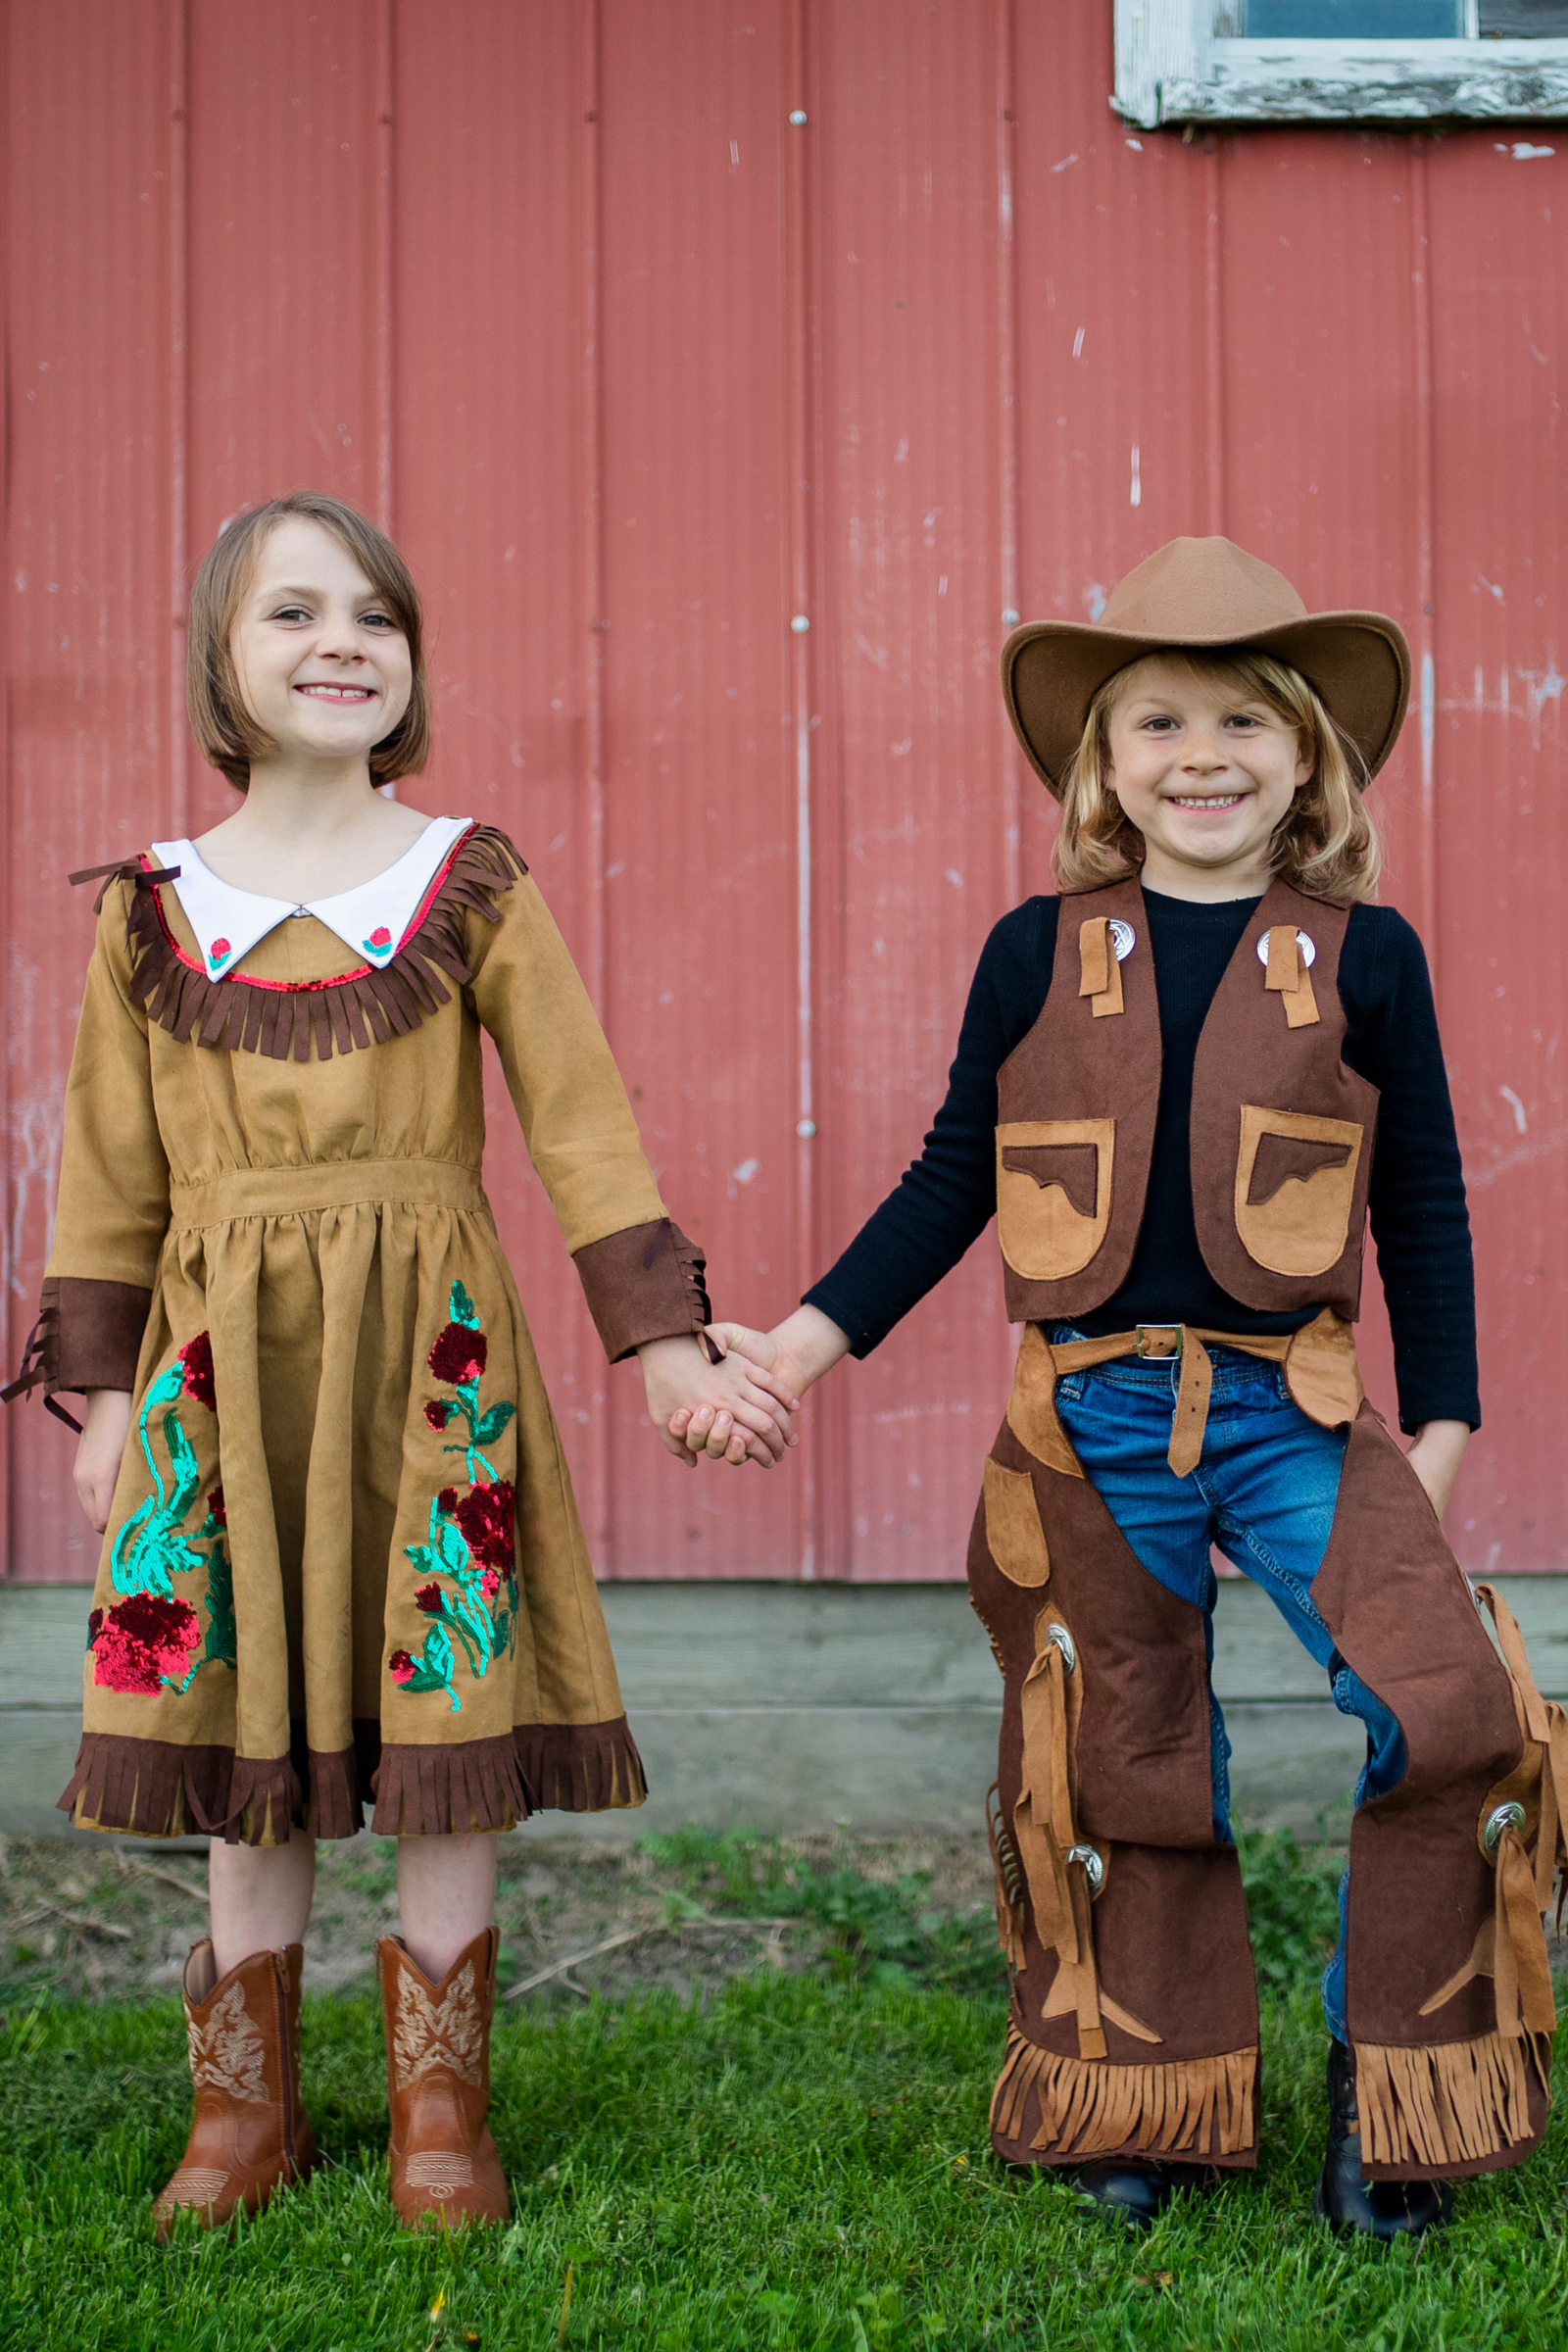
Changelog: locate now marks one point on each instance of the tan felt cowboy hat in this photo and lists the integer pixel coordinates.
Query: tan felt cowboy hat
(1203, 592)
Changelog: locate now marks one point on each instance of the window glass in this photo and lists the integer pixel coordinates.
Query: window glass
(1355, 19)
(1524, 20)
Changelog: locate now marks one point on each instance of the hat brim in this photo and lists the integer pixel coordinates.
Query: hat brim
(1051, 671)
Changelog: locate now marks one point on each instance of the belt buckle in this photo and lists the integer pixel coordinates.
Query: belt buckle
(1143, 1329)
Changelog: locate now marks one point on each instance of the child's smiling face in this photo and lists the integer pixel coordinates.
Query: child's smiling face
(321, 663)
(1206, 775)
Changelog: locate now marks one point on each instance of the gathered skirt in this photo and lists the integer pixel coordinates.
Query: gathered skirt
(343, 1558)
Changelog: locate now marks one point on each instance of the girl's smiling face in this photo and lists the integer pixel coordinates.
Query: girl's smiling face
(1204, 773)
(321, 663)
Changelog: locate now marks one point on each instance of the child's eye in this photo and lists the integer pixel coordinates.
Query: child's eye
(292, 613)
(377, 621)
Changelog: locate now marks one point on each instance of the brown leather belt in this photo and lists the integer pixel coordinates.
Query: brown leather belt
(1161, 1340)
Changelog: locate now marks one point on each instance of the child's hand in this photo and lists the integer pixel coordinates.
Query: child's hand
(786, 1361)
(735, 1411)
(105, 1427)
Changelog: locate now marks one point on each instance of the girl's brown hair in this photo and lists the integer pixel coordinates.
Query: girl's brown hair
(1324, 845)
(228, 737)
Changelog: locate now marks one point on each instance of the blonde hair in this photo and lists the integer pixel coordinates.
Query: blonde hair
(228, 737)
(1324, 845)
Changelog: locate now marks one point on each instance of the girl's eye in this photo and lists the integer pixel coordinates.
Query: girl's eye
(292, 613)
(377, 621)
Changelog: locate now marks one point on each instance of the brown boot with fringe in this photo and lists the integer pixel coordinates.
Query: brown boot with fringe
(444, 2162)
(249, 2136)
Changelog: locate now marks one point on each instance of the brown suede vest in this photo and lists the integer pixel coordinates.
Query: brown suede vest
(1280, 1129)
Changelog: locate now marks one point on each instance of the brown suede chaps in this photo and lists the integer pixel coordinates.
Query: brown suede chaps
(1134, 2021)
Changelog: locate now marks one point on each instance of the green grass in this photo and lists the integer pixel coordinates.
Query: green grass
(802, 2163)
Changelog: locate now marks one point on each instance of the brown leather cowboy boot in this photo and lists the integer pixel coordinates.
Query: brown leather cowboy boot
(444, 2161)
(250, 2134)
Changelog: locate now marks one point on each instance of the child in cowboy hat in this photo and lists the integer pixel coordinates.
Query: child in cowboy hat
(1166, 1088)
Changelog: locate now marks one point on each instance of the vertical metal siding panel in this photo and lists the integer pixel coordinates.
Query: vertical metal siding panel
(907, 114)
(283, 181)
(1499, 324)
(487, 135)
(1322, 425)
(89, 626)
(700, 830)
(1112, 339)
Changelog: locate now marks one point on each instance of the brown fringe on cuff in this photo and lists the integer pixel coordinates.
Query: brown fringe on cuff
(453, 1791)
(156, 1788)
(40, 1358)
(1194, 2107)
(580, 1767)
(362, 1008)
(1442, 2108)
(646, 1282)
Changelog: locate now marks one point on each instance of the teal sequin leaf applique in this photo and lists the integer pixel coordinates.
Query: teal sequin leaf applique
(468, 1556)
(149, 1548)
(223, 1634)
(431, 1670)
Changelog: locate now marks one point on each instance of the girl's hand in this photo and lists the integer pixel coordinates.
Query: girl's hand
(1435, 1457)
(734, 1410)
(105, 1427)
(787, 1359)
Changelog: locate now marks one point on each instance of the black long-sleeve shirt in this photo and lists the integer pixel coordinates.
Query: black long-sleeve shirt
(1419, 1222)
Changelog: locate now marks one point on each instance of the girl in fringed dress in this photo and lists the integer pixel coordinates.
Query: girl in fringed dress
(341, 1558)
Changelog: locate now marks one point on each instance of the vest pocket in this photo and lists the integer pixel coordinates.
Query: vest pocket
(1294, 1189)
(1052, 1194)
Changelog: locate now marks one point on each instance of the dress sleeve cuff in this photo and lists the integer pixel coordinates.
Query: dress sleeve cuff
(88, 1336)
(645, 1283)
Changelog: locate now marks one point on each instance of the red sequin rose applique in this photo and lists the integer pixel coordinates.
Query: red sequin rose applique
(468, 1558)
(142, 1643)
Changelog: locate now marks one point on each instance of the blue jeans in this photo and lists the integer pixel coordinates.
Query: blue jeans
(1263, 1492)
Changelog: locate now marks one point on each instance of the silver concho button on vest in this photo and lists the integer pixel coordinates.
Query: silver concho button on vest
(1302, 941)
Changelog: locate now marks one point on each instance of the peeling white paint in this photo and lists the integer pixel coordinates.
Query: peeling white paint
(1135, 494)
(1065, 161)
(1094, 599)
(1517, 1108)
(1078, 343)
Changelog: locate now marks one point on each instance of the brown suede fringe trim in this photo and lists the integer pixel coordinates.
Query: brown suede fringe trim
(580, 1767)
(646, 1282)
(1191, 2106)
(40, 1358)
(363, 1008)
(429, 1790)
(1448, 2103)
(156, 1788)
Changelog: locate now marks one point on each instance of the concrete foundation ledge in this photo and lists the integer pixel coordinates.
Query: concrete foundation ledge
(778, 1706)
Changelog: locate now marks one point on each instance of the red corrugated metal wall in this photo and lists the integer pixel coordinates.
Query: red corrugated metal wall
(641, 372)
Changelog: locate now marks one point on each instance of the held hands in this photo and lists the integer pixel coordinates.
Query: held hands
(745, 1411)
(105, 1427)
(786, 1361)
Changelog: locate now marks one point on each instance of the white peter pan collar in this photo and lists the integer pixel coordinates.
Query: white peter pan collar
(372, 920)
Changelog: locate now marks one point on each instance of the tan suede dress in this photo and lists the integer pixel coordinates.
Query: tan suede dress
(343, 1556)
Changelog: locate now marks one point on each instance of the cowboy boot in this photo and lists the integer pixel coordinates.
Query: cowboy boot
(1382, 2209)
(1135, 2189)
(249, 2134)
(444, 2161)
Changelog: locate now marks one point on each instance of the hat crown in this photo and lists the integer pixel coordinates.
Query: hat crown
(1202, 591)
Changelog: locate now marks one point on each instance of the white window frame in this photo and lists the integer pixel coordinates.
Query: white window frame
(1171, 68)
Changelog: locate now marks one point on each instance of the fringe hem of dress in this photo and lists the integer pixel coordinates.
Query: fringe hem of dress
(156, 1788)
(1202, 2109)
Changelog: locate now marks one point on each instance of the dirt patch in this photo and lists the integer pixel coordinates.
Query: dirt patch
(114, 1920)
